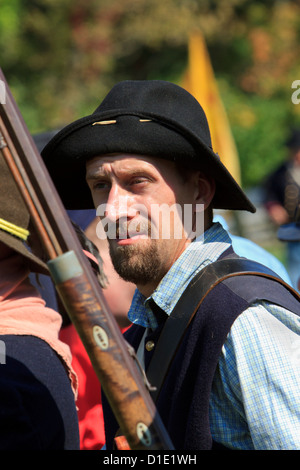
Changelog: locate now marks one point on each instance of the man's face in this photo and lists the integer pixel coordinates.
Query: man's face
(133, 196)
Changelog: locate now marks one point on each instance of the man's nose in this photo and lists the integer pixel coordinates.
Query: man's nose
(118, 204)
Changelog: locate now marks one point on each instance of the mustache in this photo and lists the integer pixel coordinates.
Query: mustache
(122, 229)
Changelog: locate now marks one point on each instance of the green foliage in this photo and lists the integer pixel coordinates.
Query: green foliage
(61, 57)
(260, 128)
(9, 30)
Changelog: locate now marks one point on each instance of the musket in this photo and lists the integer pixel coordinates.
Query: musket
(112, 359)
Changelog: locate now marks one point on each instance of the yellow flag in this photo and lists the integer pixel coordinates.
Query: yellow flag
(200, 81)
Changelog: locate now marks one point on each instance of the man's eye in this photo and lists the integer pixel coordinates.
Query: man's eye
(138, 180)
(101, 185)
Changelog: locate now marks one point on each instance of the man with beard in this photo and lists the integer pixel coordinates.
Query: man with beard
(144, 159)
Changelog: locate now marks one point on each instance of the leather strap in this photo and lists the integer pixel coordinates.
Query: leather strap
(188, 304)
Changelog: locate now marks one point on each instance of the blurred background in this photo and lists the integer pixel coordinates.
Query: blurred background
(240, 58)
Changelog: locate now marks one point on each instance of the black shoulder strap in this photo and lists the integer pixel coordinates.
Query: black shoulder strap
(188, 304)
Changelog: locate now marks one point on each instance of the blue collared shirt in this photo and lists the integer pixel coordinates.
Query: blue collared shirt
(255, 399)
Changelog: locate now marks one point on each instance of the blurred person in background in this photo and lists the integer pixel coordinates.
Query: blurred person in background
(248, 249)
(290, 233)
(282, 198)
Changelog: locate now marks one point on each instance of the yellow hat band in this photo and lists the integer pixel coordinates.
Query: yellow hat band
(14, 229)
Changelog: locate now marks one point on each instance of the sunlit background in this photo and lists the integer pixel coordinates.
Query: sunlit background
(60, 58)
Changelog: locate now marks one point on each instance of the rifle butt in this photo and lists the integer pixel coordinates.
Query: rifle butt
(116, 370)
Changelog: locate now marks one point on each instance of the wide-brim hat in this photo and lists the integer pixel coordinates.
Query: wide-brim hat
(14, 220)
(154, 118)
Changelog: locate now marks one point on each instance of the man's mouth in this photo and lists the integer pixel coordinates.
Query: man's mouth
(132, 239)
(125, 235)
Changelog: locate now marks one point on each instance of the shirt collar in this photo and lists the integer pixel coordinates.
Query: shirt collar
(202, 251)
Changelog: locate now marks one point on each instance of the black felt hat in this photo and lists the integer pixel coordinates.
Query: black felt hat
(14, 220)
(154, 118)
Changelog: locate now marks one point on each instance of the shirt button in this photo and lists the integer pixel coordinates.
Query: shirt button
(149, 345)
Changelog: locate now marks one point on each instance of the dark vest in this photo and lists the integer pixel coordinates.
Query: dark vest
(183, 403)
(37, 405)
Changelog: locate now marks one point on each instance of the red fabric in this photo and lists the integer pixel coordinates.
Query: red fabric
(23, 311)
(90, 415)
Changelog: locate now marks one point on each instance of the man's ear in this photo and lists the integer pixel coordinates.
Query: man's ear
(205, 188)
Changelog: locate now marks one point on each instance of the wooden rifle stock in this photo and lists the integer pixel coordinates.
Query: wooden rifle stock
(78, 288)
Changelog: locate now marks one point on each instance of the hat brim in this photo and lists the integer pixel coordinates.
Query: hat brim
(136, 133)
(34, 264)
